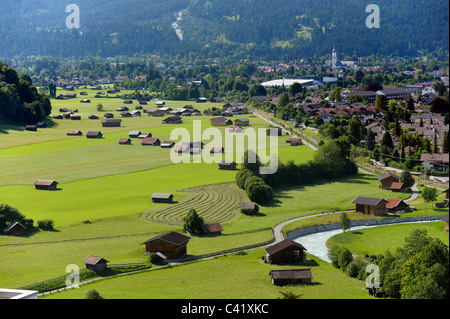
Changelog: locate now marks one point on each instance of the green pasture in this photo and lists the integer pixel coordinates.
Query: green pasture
(231, 277)
(378, 240)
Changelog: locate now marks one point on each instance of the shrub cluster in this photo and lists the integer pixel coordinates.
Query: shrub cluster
(255, 187)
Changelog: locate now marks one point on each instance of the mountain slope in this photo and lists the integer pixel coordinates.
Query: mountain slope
(217, 28)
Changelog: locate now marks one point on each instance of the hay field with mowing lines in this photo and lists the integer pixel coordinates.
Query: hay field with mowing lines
(216, 203)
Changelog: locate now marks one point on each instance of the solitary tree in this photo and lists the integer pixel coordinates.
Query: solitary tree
(429, 195)
(193, 222)
(407, 179)
(344, 222)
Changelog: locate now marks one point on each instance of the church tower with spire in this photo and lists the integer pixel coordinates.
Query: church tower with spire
(333, 58)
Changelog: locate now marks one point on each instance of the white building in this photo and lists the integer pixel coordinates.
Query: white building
(286, 82)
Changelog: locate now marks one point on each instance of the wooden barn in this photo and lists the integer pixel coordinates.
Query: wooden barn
(235, 129)
(75, 117)
(242, 122)
(15, 229)
(282, 277)
(125, 141)
(145, 135)
(221, 121)
(92, 117)
(151, 141)
(278, 131)
(75, 133)
(371, 206)
(162, 198)
(32, 128)
(94, 134)
(172, 245)
(134, 134)
(111, 122)
(212, 229)
(285, 252)
(43, 184)
(95, 263)
(387, 179)
(181, 149)
(217, 150)
(396, 206)
(397, 187)
(167, 144)
(227, 165)
(294, 141)
(172, 120)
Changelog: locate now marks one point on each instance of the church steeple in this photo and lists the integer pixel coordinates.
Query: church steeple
(333, 58)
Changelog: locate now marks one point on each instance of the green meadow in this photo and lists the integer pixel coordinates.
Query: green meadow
(103, 207)
(378, 240)
(231, 277)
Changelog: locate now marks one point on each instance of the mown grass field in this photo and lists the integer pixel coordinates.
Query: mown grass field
(229, 277)
(103, 207)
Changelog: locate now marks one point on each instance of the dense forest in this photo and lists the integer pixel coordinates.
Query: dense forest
(20, 101)
(239, 28)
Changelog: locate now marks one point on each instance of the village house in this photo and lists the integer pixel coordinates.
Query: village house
(15, 229)
(162, 198)
(387, 179)
(171, 245)
(285, 252)
(282, 277)
(43, 184)
(371, 206)
(92, 117)
(95, 263)
(437, 161)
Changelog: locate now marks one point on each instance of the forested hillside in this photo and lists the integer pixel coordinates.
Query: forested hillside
(216, 28)
(20, 101)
